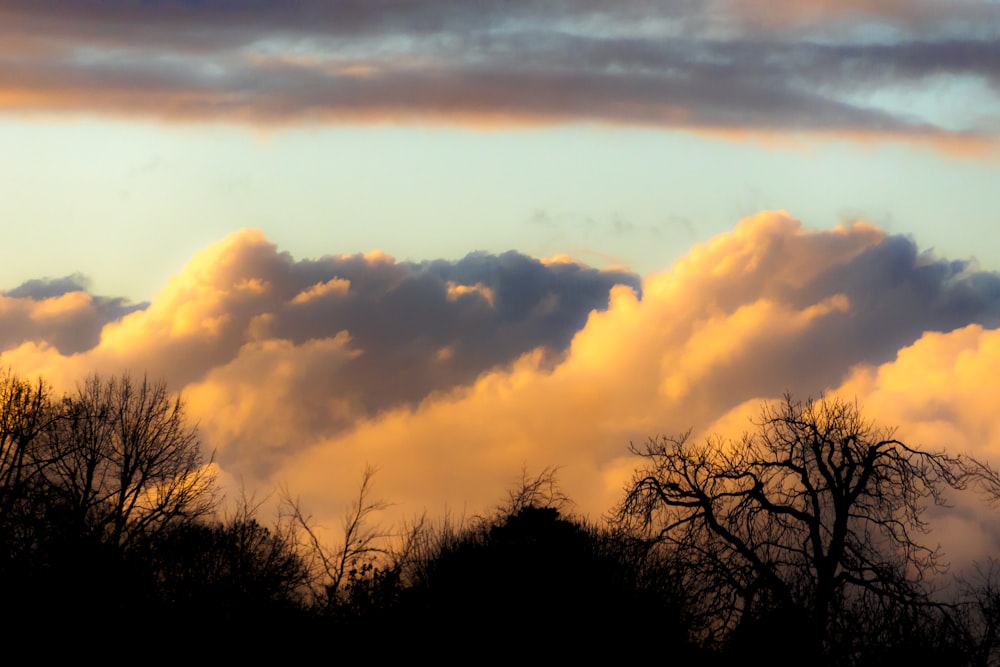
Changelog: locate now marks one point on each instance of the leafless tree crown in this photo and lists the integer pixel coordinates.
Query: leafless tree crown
(126, 459)
(814, 508)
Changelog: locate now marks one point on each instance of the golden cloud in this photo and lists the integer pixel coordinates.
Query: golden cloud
(301, 373)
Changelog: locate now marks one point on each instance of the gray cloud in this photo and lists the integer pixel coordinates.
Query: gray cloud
(47, 288)
(896, 296)
(669, 64)
(59, 312)
(917, 292)
(435, 325)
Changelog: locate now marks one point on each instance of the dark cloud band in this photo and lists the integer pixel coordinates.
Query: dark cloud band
(667, 64)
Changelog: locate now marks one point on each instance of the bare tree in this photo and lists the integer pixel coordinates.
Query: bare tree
(815, 507)
(126, 462)
(975, 616)
(362, 540)
(27, 416)
(26, 413)
(231, 568)
(541, 490)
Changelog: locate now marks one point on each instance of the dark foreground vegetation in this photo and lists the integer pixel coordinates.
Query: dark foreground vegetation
(802, 543)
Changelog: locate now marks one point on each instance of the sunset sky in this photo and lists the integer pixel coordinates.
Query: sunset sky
(456, 239)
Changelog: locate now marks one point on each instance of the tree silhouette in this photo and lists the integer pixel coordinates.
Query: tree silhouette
(235, 572)
(86, 483)
(531, 580)
(25, 413)
(796, 522)
(125, 463)
(364, 544)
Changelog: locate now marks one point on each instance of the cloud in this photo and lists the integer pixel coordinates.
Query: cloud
(453, 376)
(59, 312)
(708, 67)
(938, 393)
(407, 329)
(765, 309)
(901, 13)
(46, 288)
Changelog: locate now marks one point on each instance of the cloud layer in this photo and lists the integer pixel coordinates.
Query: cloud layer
(453, 376)
(724, 65)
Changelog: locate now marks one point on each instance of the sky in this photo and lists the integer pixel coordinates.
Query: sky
(461, 239)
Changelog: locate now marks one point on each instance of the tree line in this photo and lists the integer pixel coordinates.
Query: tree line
(804, 541)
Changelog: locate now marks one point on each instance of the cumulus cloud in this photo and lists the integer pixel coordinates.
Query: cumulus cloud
(706, 66)
(58, 312)
(938, 394)
(746, 317)
(452, 377)
(405, 329)
(752, 314)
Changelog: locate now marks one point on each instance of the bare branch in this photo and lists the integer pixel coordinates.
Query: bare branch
(816, 507)
(361, 539)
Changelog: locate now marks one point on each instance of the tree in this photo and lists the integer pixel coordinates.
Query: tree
(814, 512)
(124, 461)
(26, 413)
(234, 570)
(974, 618)
(529, 579)
(363, 542)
